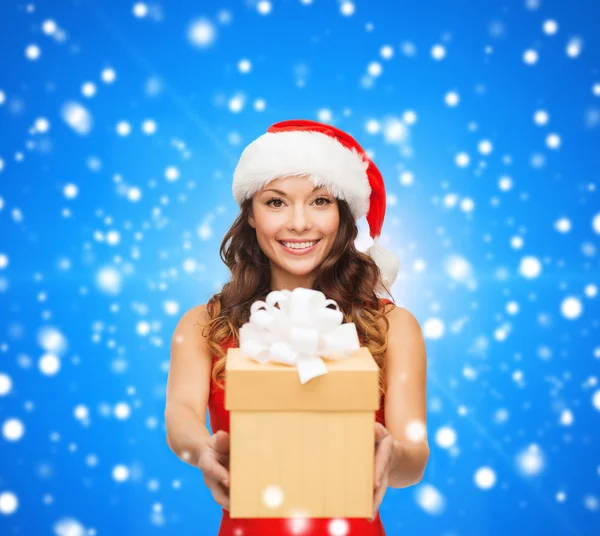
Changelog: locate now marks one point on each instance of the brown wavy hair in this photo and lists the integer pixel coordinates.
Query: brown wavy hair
(346, 275)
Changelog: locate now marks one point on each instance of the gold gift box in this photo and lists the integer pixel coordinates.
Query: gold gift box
(301, 450)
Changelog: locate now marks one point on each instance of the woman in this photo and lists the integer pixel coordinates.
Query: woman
(301, 187)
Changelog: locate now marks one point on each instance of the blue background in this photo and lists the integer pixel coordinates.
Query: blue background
(110, 277)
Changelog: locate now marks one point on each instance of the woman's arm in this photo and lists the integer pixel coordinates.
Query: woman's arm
(186, 432)
(405, 401)
(188, 386)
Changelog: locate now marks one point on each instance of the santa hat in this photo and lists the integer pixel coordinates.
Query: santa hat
(332, 159)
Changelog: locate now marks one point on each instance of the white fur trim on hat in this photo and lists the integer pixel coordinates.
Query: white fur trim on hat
(291, 153)
(388, 263)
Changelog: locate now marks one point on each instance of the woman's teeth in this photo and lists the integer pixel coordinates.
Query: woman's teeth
(299, 245)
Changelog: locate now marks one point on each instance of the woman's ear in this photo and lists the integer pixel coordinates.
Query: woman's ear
(251, 220)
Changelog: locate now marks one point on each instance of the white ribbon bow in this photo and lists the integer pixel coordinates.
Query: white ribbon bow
(301, 331)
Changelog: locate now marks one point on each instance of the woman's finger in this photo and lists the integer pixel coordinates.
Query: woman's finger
(222, 442)
(382, 458)
(220, 495)
(381, 433)
(211, 469)
(223, 459)
(379, 494)
(376, 472)
(381, 436)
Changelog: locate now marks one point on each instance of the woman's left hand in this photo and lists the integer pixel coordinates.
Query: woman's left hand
(384, 450)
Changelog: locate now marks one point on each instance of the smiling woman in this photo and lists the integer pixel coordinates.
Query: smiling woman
(297, 232)
(301, 188)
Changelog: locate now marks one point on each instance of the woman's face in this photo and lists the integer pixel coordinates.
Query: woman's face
(296, 212)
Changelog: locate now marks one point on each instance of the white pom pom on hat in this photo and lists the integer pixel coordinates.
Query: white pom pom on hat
(331, 158)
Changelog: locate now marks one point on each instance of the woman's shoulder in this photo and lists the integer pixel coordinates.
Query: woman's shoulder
(198, 315)
(383, 302)
(201, 309)
(395, 314)
(194, 316)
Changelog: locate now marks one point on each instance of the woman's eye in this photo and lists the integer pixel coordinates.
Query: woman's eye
(277, 200)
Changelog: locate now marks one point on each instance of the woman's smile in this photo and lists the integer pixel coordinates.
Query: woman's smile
(301, 248)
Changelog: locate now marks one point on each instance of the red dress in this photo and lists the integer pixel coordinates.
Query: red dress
(219, 420)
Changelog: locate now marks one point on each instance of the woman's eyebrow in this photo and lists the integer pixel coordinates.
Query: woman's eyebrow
(283, 193)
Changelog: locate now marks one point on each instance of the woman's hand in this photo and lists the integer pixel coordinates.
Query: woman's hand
(214, 464)
(384, 450)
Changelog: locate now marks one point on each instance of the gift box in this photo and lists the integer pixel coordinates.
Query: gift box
(301, 424)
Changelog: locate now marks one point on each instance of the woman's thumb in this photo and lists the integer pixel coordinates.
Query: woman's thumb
(222, 441)
(380, 432)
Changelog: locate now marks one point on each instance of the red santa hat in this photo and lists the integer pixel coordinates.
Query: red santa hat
(332, 159)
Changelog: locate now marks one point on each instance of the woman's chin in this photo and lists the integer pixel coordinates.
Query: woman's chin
(298, 266)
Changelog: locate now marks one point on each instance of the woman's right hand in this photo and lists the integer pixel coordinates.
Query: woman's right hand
(214, 464)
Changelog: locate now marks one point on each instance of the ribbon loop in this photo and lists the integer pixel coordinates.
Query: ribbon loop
(299, 332)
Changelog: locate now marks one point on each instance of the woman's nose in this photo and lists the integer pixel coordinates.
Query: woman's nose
(300, 218)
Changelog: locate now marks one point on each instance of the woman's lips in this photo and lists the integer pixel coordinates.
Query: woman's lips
(303, 251)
